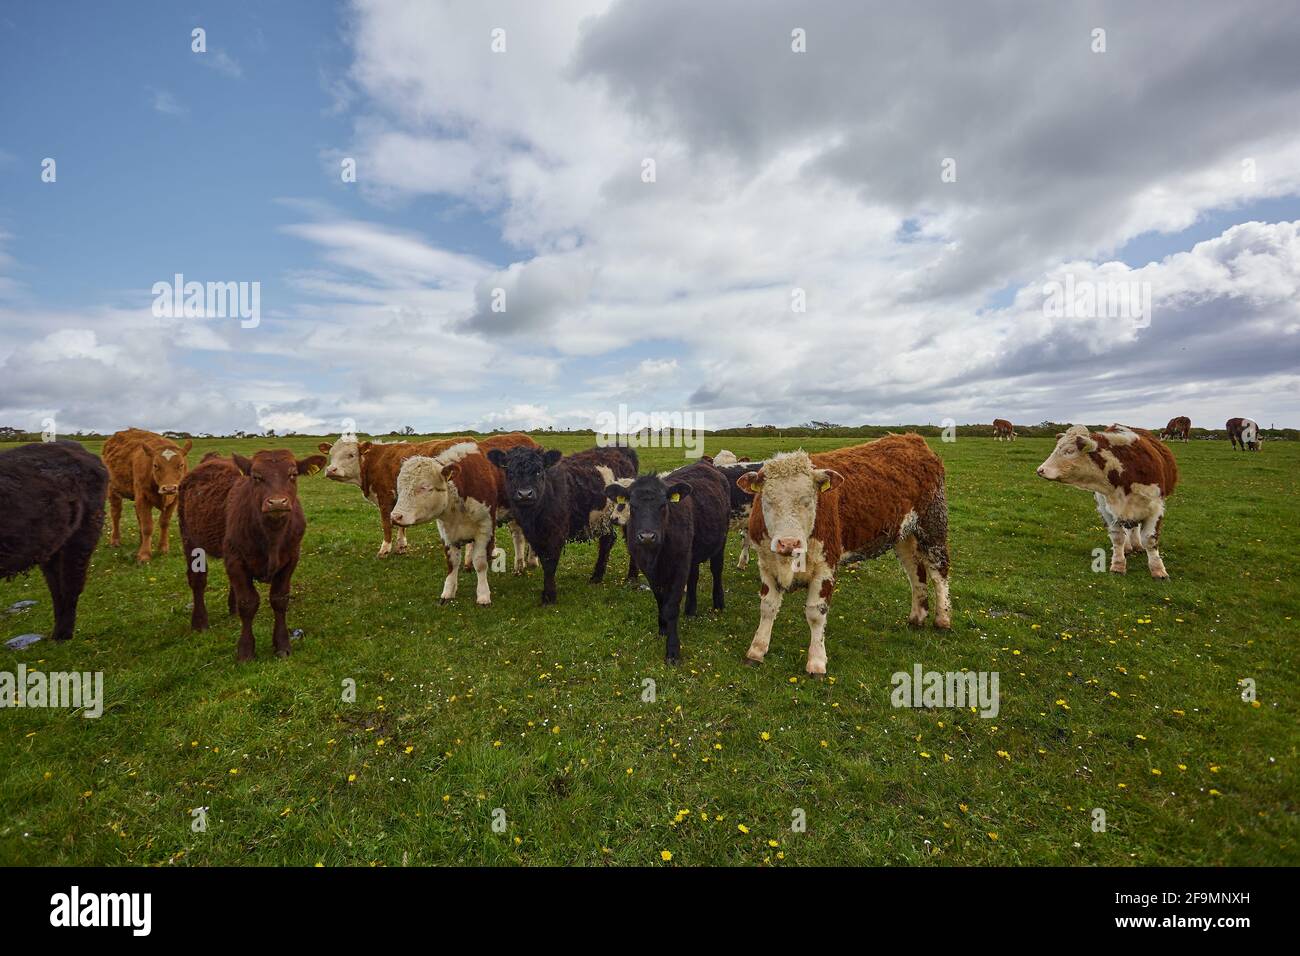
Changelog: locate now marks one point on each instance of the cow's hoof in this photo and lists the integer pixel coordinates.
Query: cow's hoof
(817, 676)
(750, 662)
(243, 658)
(670, 660)
(486, 602)
(943, 624)
(282, 654)
(916, 622)
(1120, 570)
(1163, 576)
(443, 602)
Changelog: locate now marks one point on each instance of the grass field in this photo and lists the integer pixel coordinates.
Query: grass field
(1119, 693)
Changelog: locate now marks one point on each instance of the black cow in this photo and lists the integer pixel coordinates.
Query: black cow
(51, 514)
(741, 501)
(674, 524)
(557, 499)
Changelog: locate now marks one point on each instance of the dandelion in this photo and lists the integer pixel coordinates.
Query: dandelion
(742, 828)
(665, 855)
(765, 736)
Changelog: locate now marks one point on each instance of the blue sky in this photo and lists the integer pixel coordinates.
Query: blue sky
(521, 171)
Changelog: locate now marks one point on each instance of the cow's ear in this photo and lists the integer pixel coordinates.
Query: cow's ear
(325, 447)
(1060, 435)
(365, 446)
(1086, 444)
(497, 457)
(827, 478)
(616, 492)
(451, 470)
(678, 490)
(750, 482)
(242, 463)
(189, 443)
(742, 460)
(311, 464)
(552, 456)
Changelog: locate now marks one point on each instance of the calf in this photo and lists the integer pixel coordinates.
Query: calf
(145, 468)
(814, 512)
(674, 524)
(1180, 427)
(741, 502)
(1003, 430)
(245, 511)
(461, 490)
(557, 498)
(1243, 433)
(1130, 472)
(52, 499)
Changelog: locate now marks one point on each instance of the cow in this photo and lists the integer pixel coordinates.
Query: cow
(462, 491)
(246, 512)
(741, 501)
(1003, 430)
(558, 498)
(1180, 427)
(812, 513)
(674, 524)
(1130, 473)
(145, 468)
(52, 499)
(1243, 433)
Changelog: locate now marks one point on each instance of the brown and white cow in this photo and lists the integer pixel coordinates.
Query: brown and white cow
(813, 513)
(146, 468)
(1003, 430)
(1130, 473)
(1180, 427)
(1243, 433)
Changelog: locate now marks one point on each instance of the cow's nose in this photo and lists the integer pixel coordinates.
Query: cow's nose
(786, 546)
(398, 517)
(1040, 471)
(647, 537)
(168, 489)
(331, 471)
(277, 504)
(525, 494)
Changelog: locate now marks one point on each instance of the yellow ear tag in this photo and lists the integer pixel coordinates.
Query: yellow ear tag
(621, 500)
(675, 497)
(312, 469)
(826, 485)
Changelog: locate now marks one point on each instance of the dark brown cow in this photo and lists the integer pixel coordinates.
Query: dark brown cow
(1003, 430)
(1180, 427)
(1130, 473)
(813, 513)
(145, 468)
(247, 513)
(51, 517)
(1243, 433)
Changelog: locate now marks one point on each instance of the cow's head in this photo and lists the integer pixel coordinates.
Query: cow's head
(274, 477)
(525, 470)
(1250, 435)
(344, 460)
(168, 467)
(645, 503)
(790, 488)
(424, 490)
(1069, 462)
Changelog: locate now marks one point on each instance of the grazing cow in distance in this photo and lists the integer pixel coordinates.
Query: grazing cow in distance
(1180, 427)
(1003, 430)
(674, 524)
(145, 468)
(246, 512)
(1130, 473)
(52, 502)
(558, 498)
(814, 512)
(1243, 433)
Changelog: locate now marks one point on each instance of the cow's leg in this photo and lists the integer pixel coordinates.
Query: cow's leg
(386, 519)
(602, 557)
(449, 583)
(1132, 542)
(1118, 548)
(53, 573)
(715, 567)
(232, 603)
(115, 518)
(1151, 541)
(469, 556)
(692, 585)
(144, 515)
(399, 540)
(247, 600)
(533, 560)
(520, 547)
(279, 605)
(164, 522)
(198, 585)
(936, 562)
(820, 588)
(482, 545)
(745, 545)
(909, 556)
(769, 606)
(548, 579)
(670, 603)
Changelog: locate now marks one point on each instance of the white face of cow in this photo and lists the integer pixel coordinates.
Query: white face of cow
(1069, 462)
(423, 491)
(345, 462)
(1250, 432)
(725, 457)
(621, 508)
(791, 487)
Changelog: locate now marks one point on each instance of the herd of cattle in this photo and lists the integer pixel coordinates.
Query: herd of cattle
(802, 514)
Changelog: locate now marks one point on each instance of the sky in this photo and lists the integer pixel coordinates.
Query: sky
(751, 212)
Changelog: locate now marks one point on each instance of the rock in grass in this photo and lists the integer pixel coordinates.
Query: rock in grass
(21, 641)
(19, 606)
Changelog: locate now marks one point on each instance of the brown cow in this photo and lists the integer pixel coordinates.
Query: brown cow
(145, 468)
(247, 513)
(1243, 433)
(1130, 473)
(1003, 430)
(813, 513)
(1180, 427)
